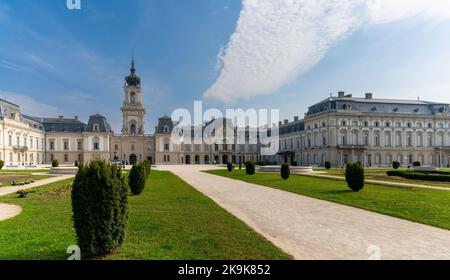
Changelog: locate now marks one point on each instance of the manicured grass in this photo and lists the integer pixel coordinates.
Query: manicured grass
(23, 170)
(169, 220)
(420, 205)
(7, 179)
(379, 174)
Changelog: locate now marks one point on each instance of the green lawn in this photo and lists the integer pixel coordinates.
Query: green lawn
(170, 220)
(425, 206)
(24, 170)
(379, 174)
(6, 179)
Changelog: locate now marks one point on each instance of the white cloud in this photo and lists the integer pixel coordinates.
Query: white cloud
(275, 41)
(29, 106)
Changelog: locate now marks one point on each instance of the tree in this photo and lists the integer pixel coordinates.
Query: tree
(230, 167)
(147, 166)
(100, 208)
(285, 171)
(137, 179)
(2, 164)
(354, 175)
(327, 165)
(249, 167)
(396, 164)
(55, 163)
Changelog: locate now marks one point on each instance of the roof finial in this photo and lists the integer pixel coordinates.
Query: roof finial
(133, 69)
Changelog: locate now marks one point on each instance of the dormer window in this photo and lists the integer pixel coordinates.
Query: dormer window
(96, 127)
(166, 129)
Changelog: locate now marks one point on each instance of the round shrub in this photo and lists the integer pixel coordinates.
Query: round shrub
(354, 175)
(55, 163)
(230, 167)
(249, 167)
(416, 164)
(2, 164)
(327, 165)
(100, 208)
(396, 164)
(285, 171)
(294, 163)
(137, 179)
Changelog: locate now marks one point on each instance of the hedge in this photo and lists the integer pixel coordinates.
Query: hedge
(285, 171)
(230, 167)
(423, 176)
(100, 208)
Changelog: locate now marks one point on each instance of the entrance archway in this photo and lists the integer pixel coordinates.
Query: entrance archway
(188, 159)
(225, 159)
(197, 159)
(206, 159)
(133, 159)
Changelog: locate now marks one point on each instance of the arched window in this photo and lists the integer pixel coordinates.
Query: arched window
(133, 129)
(133, 98)
(96, 127)
(166, 129)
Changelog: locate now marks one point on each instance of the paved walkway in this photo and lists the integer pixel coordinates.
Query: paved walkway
(14, 189)
(308, 228)
(378, 182)
(8, 211)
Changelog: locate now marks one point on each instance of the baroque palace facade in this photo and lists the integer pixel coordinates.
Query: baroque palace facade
(338, 129)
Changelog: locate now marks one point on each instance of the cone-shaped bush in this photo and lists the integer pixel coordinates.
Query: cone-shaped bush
(285, 171)
(327, 165)
(249, 167)
(2, 163)
(100, 208)
(354, 175)
(137, 179)
(230, 167)
(396, 164)
(147, 166)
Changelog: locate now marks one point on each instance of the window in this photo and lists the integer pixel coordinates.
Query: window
(66, 157)
(80, 145)
(66, 145)
(133, 147)
(10, 140)
(52, 157)
(377, 140)
(18, 141)
(388, 124)
(430, 140)
(387, 140)
(96, 144)
(430, 125)
(166, 129)
(116, 147)
(366, 139)
(344, 123)
(166, 147)
(409, 140)
(96, 127)
(409, 125)
(398, 139)
(377, 124)
(133, 129)
(133, 98)
(52, 145)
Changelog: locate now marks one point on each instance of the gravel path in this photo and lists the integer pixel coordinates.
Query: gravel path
(8, 211)
(308, 228)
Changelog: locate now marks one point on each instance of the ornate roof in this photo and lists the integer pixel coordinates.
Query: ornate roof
(133, 79)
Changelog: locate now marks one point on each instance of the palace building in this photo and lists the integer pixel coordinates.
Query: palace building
(339, 129)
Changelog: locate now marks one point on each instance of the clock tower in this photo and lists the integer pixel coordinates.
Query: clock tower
(133, 111)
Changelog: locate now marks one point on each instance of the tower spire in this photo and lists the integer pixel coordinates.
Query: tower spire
(133, 69)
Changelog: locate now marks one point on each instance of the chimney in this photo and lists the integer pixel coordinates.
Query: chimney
(341, 94)
(369, 95)
(286, 121)
(60, 118)
(296, 119)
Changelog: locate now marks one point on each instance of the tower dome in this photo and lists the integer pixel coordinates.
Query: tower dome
(133, 79)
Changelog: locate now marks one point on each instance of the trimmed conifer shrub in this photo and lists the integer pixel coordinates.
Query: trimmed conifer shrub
(354, 175)
(294, 163)
(249, 167)
(55, 163)
(137, 179)
(230, 167)
(147, 166)
(100, 208)
(285, 171)
(327, 165)
(396, 164)
(2, 164)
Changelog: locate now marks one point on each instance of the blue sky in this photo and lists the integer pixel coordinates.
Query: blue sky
(54, 60)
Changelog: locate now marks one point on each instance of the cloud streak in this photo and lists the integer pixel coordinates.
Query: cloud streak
(275, 41)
